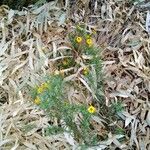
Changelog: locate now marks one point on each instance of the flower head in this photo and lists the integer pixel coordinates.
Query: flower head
(85, 70)
(91, 109)
(89, 41)
(37, 101)
(79, 39)
(42, 88)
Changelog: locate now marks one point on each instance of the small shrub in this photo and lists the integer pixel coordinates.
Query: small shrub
(51, 94)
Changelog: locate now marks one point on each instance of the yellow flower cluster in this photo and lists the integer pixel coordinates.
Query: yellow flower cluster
(88, 40)
(42, 87)
(37, 101)
(91, 109)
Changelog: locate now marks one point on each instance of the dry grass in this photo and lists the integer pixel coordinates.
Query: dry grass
(27, 51)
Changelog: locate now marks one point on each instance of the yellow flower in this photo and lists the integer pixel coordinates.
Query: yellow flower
(45, 85)
(42, 88)
(91, 109)
(85, 70)
(37, 101)
(79, 39)
(89, 42)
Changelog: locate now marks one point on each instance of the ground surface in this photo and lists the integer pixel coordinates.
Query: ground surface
(30, 37)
